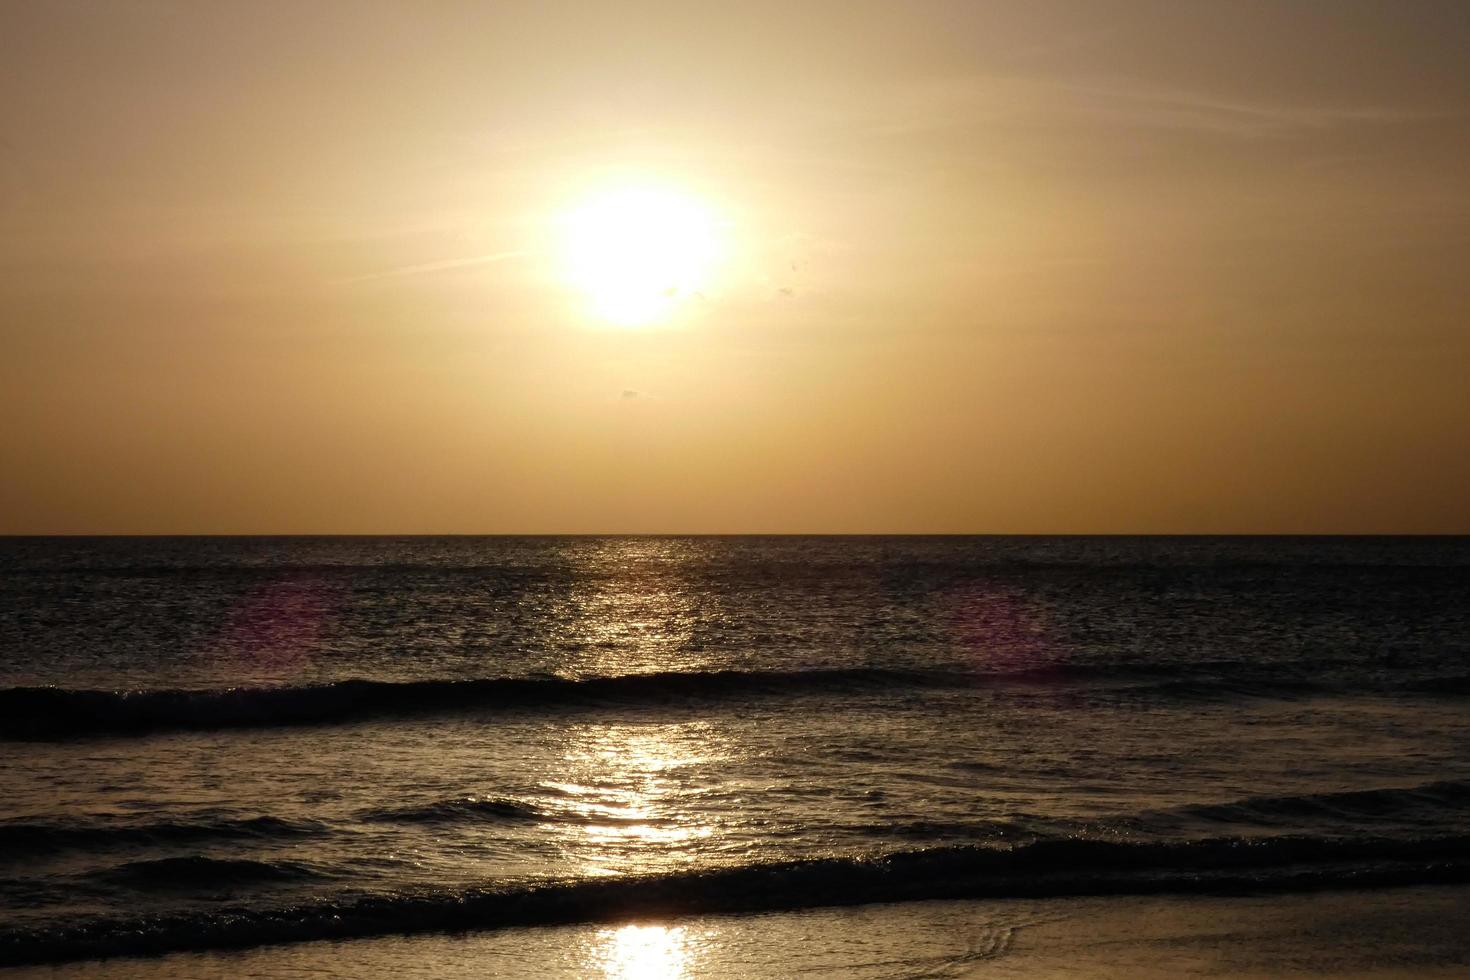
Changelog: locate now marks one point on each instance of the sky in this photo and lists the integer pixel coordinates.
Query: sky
(962, 267)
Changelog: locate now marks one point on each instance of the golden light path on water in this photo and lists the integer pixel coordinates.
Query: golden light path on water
(634, 784)
(631, 788)
(635, 825)
(628, 795)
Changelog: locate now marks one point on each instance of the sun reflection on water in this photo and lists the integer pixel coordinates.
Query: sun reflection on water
(635, 952)
(634, 794)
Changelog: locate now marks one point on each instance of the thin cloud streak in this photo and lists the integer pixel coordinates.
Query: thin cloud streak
(440, 266)
(1192, 110)
(999, 99)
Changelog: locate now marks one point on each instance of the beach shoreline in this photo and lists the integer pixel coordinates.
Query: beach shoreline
(1380, 934)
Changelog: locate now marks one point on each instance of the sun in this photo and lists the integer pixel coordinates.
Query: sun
(639, 252)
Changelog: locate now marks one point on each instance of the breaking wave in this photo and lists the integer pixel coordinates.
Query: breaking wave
(197, 871)
(1048, 867)
(56, 712)
(25, 838)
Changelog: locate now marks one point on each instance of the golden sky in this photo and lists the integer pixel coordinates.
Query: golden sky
(931, 267)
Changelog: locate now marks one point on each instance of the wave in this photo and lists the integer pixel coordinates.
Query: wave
(1428, 799)
(1438, 805)
(468, 809)
(197, 871)
(1231, 689)
(496, 809)
(1051, 867)
(26, 838)
(1453, 686)
(56, 712)
(42, 712)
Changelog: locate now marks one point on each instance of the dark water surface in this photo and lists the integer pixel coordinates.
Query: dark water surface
(228, 742)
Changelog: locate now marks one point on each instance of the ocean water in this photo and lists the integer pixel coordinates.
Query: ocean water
(231, 743)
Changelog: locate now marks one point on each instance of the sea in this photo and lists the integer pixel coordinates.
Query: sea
(732, 756)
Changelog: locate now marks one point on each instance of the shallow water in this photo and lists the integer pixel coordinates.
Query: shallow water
(218, 743)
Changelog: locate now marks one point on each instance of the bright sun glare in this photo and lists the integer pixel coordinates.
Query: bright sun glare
(639, 252)
(636, 952)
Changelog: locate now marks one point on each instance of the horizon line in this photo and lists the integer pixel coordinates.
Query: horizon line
(734, 534)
